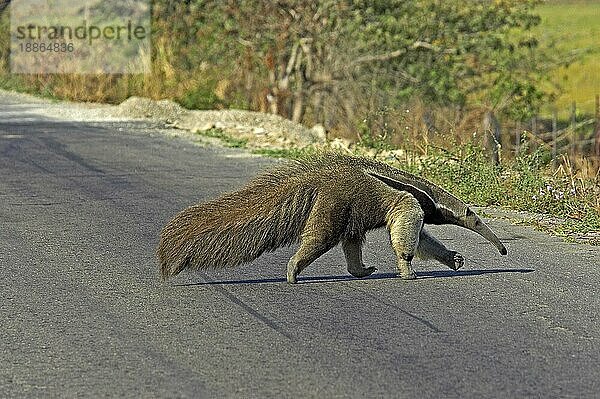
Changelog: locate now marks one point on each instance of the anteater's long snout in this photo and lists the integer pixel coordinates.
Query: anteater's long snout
(483, 230)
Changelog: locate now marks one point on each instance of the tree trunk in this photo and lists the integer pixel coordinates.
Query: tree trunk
(298, 107)
(597, 131)
(317, 106)
(492, 132)
(429, 121)
(299, 92)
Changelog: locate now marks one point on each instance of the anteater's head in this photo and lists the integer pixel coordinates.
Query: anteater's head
(468, 219)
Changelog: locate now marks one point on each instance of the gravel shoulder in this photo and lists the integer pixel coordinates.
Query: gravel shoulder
(259, 129)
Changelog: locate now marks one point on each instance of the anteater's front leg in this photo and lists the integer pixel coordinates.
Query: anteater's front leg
(353, 253)
(431, 248)
(404, 222)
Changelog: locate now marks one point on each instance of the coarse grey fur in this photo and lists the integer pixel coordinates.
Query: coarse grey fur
(319, 201)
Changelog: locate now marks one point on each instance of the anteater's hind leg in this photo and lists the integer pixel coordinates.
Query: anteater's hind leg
(353, 253)
(322, 232)
(431, 248)
(310, 249)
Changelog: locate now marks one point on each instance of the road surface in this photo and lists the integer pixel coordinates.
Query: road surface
(84, 313)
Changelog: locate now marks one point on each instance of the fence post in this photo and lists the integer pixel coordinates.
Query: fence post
(597, 131)
(492, 131)
(554, 136)
(573, 123)
(517, 139)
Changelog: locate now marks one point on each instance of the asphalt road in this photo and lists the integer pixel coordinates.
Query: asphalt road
(84, 313)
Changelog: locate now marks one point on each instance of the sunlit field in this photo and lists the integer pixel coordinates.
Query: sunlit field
(575, 28)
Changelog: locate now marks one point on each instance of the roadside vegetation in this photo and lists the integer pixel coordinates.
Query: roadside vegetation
(225, 139)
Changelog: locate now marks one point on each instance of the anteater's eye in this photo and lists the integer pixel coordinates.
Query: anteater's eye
(469, 212)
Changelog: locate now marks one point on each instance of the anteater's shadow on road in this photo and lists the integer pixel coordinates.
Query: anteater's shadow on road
(422, 275)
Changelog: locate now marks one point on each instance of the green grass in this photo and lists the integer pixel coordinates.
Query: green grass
(574, 26)
(291, 153)
(226, 139)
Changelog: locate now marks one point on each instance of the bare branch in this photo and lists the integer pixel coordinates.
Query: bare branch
(379, 57)
(429, 46)
(397, 53)
(292, 60)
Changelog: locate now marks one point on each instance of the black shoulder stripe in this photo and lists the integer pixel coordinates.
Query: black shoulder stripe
(427, 203)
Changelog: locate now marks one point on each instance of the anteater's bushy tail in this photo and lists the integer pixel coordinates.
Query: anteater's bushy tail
(270, 212)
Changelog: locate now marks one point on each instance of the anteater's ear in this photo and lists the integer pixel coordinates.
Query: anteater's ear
(427, 203)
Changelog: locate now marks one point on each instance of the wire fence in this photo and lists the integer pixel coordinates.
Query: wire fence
(572, 137)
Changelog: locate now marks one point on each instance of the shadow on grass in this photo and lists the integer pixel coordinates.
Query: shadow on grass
(422, 275)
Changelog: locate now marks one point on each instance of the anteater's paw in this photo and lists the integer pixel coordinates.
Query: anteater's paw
(458, 261)
(292, 271)
(291, 277)
(363, 272)
(407, 275)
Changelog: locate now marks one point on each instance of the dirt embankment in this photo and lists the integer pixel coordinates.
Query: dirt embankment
(259, 129)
